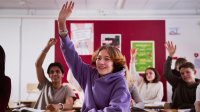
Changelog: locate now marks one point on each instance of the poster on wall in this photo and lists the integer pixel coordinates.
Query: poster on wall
(82, 35)
(111, 39)
(145, 55)
(174, 31)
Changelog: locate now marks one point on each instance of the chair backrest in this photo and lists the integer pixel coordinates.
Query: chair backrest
(32, 88)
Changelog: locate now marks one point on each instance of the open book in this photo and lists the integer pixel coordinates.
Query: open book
(26, 109)
(184, 110)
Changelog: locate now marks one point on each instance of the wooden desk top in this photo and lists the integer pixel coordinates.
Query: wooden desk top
(168, 110)
(15, 106)
(156, 105)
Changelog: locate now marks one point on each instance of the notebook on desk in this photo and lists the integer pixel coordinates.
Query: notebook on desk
(26, 109)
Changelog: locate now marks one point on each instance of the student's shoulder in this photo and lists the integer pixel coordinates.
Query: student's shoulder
(197, 80)
(198, 85)
(5, 79)
(160, 83)
(132, 87)
(67, 88)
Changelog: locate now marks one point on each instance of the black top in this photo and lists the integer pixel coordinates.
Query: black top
(184, 95)
(5, 88)
(177, 74)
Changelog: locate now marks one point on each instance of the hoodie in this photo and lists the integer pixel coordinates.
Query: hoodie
(108, 93)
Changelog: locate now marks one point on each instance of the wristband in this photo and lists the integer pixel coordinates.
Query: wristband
(44, 52)
(61, 32)
(62, 106)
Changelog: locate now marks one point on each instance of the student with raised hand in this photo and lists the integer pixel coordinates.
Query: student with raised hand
(103, 82)
(197, 102)
(54, 96)
(136, 100)
(176, 71)
(149, 86)
(5, 82)
(185, 87)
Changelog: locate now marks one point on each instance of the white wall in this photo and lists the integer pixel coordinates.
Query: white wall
(10, 41)
(187, 41)
(23, 38)
(35, 35)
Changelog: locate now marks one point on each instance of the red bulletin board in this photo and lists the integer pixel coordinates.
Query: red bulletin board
(145, 30)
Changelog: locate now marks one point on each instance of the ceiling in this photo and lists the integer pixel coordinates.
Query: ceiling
(103, 4)
(129, 5)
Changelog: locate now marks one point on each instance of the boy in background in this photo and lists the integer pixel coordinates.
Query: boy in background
(185, 87)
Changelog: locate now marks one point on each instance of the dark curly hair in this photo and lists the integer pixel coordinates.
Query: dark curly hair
(57, 64)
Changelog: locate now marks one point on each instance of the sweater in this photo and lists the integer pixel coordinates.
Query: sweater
(184, 94)
(149, 92)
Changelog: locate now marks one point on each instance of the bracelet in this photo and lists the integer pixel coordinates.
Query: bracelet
(44, 52)
(62, 106)
(61, 32)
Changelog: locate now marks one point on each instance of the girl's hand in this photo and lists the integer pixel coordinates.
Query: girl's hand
(132, 103)
(133, 53)
(66, 11)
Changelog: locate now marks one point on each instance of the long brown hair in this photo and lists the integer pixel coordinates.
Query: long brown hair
(157, 76)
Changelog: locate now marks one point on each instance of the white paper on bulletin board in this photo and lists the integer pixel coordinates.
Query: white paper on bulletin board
(82, 35)
(111, 39)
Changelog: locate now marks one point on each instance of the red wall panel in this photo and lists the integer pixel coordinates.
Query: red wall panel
(153, 30)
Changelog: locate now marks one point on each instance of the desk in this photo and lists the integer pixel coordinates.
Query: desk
(75, 109)
(16, 106)
(168, 110)
(28, 103)
(155, 105)
(60, 111)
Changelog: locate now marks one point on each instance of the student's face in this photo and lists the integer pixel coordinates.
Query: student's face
(55, 74)
(188, 75)
(150, 75)
(104, 64)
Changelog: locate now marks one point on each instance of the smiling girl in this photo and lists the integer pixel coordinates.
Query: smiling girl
(149, 86)
(103, 82)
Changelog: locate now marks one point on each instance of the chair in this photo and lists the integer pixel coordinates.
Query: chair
(33, 93)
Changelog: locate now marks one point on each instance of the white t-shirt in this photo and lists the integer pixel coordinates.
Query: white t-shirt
(198, 93)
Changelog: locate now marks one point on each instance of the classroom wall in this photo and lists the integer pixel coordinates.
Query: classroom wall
(23, 38)
(130, 30)
(186, 40)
